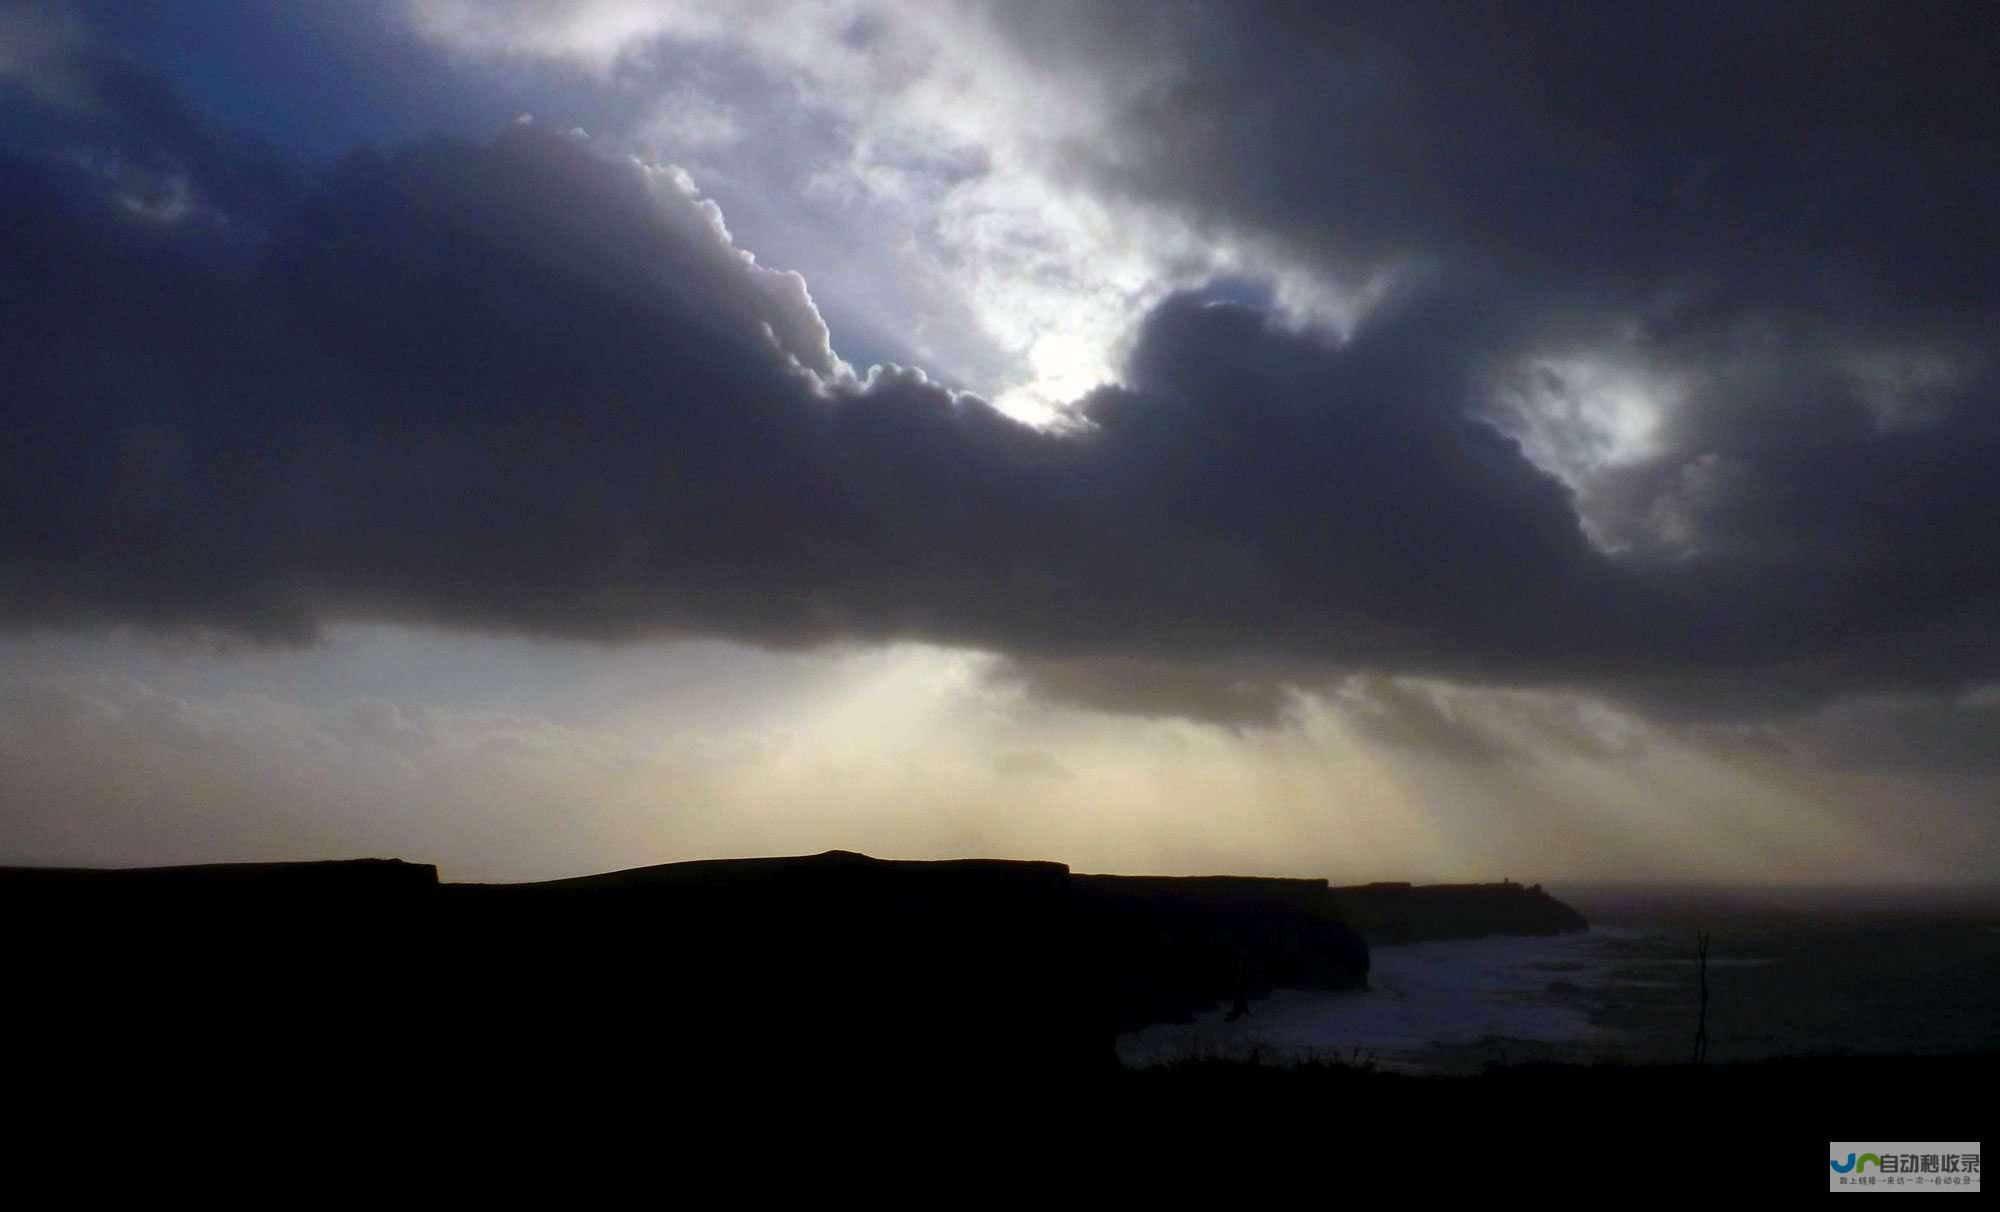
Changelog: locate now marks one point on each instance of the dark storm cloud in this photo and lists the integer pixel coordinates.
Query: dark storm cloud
(1785, 208)
(519, 385)
(513, 385)
(1697, 157)
(1839, 541)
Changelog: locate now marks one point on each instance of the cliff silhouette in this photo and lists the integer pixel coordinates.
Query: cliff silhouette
(1402, 913)
(833, 965)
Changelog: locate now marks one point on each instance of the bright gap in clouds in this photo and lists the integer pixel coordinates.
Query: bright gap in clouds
(920, 160)
(1576, 414)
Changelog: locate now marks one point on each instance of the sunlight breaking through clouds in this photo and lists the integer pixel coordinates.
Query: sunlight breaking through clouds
(1156, 437)
(936, 129)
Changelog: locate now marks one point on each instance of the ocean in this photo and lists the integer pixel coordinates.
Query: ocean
(1788, 975)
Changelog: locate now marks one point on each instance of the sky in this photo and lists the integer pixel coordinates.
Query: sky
(1373, 441)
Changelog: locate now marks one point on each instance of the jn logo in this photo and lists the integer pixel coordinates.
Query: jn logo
(1850, 1164)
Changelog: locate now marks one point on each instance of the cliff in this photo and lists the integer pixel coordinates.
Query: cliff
(1164, 948)
(833, 964)
(1403, 913)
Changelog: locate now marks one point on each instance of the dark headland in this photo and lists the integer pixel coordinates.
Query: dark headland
(372, 997)
(834, 960)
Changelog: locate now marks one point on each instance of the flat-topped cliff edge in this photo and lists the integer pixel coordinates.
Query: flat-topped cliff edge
(796, 964)
(1404, 913)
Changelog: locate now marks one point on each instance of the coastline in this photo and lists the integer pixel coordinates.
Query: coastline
(1786, 984)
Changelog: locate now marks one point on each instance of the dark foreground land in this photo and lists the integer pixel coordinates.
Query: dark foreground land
(349, 988)
(1024, 969)
(1603, 1135)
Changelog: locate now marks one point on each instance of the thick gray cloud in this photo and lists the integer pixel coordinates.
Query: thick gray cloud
(1779, 211)
(1693, 159)
(515, 386)
(521, 385)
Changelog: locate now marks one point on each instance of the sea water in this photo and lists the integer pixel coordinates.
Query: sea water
(1782, 981)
